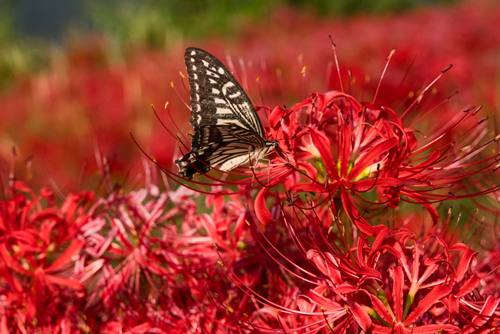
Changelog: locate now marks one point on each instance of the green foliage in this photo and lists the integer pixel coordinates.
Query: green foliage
(156, 22)
(19, 55)
(350, 7)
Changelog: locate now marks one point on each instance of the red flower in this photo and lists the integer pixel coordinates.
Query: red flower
(37, 250)
(390, 283)
(353, 155)
(358, 147)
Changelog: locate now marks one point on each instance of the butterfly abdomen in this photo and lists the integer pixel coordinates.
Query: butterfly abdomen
(189, 166)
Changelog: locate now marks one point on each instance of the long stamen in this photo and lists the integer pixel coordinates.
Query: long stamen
(420, 96)
(383, 73)
(336, 63)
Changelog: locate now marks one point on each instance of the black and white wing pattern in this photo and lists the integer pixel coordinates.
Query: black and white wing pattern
(227, 130)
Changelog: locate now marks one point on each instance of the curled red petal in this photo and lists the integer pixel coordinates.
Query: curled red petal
(487, 311)
(380, 308)
(72, 250)
(326, 263)
(345, 149)
(469, 285)
(436, 294)
(305, 304)
(302, 104)
(369, 158)
(322, 143)
(362, 317)
(261, 210)
(355, 217)
(397, 291)
(433, 212)
(275, 116)
(326, 303)
(68, 282)
(309, 168)
(467, 257)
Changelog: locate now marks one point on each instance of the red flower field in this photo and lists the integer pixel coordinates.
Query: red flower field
(378, 212)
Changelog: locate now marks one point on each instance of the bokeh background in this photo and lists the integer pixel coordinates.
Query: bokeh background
(77, 77)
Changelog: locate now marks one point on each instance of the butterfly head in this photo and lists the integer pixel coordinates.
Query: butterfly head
(273, 144)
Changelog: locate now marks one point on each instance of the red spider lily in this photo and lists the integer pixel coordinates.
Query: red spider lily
(143, 273)
(392, 283)
(147, 273)
(374, 150)
(141, 262)
(37, 247)
(132, 269)
(133, 244)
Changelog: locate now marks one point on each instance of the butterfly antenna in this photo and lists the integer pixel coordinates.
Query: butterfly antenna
(388, 59)
(336, 62)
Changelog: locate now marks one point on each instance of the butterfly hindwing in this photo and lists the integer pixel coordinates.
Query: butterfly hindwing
(225, 145)
(227, 130)
(216, 97)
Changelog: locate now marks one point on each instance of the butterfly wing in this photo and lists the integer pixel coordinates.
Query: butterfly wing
(216, 97)
(226, 145)
(227, 130)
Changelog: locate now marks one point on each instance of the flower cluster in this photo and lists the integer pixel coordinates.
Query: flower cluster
(113, 264)
(340, 232)
(146, 261)
(380, 157)
(343, 163)
(392, 283)
(94, 94)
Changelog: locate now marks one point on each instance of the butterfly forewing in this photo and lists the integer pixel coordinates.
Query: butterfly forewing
(227, 130)
(216, 97)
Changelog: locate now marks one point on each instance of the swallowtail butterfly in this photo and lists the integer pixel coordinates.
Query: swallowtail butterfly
(227, 130)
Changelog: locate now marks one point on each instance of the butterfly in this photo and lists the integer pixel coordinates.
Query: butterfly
(227, 130)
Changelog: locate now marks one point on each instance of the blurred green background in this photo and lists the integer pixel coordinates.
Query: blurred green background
(30, 28)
